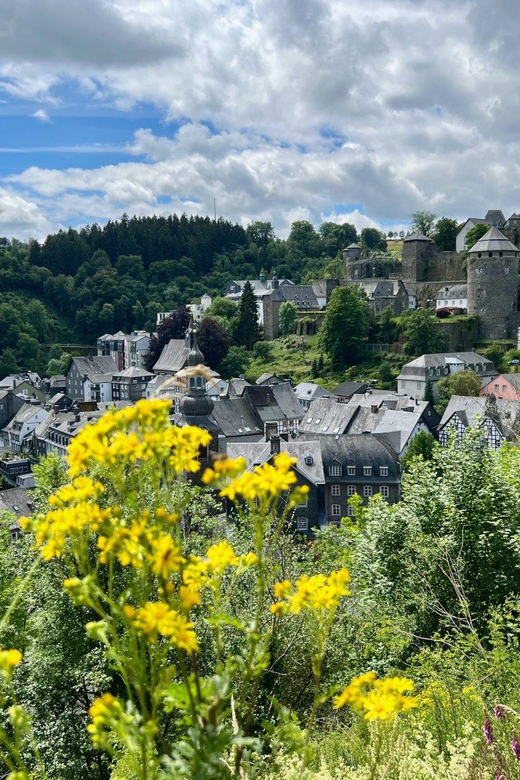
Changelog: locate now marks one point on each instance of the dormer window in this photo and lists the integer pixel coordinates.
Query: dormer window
(309, 460)
(335, 470)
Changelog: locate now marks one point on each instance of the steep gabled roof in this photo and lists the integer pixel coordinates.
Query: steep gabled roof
(95, 367)
(173, 357)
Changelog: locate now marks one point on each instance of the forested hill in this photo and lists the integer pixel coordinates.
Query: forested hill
(117, 277)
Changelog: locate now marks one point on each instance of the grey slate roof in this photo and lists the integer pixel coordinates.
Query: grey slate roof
(97, 368)
(308, 391)
(173, 357)
(236, 387)
(417, 366)
(493, 241)
(327, 416)
(361, 450)
(417, 237)
(457, 291)
(302, 295)
(347, 389)
(234, 418)
(258, 453)
(132, 372)
(16, 500)
(506, 414)
(396, 428)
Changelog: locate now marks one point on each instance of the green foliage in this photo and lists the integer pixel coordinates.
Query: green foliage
(347, 321)
(288, 317)
(385, 374)
(246, 330)
(460, 383)
(423, 222)
(373, 240)
(495, 353)
(473, 235)
(235, 363)
(423, 335)
(421, 446)
(213, 341)
(445, 234)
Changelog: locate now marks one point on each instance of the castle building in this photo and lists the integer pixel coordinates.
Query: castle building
(493, 284)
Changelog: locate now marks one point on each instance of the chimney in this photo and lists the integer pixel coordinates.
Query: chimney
(275, 445)
(374, 408)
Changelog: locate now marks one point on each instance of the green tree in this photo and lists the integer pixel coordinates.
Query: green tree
(373, 240)
(235, 363)
(346, 324)
(385, 375)
(428, 393)
(387, 326)
(460, 383)
(8, 363)
(246, 330)
(473, 235)
(422, 445)
(423, 222)
(495, 353)
(222, 307)
(213, 341)
(423, 334)
(445, 234)
(288, 317)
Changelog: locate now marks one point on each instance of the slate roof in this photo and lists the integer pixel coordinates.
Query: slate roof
(353, 246)
(266, 376)
(26, 412)
(457, 291)
(327, 416)
(417, 237)
(132, 372)
(360, 450)
(236, 387)
(16, 500)
(495, 217)
(504, 413)
(274, 402)
(346, 389)
(396, 428)
(308, 391)
(97, 368)
(302, 295)
(493, 241)
(258, 453)
(234, 418)
(173, 357)
(442, 359)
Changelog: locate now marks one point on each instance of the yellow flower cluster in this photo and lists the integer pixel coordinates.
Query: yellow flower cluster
(267, 481)
(75, 511)
(158, 618)
(137, 433)
(201, 572)
(318, 593)
(107, 714)
(8, 660)
(377, 699)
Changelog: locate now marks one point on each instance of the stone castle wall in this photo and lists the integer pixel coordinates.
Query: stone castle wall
(493, 293)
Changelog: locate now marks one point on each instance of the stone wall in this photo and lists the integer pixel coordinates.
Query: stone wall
(493, 293)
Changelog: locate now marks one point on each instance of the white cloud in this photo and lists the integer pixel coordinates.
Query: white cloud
(41, 115)
(382, 107)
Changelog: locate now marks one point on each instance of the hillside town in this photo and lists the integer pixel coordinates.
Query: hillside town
(349, 439)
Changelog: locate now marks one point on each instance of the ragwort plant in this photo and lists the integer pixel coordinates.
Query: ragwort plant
(176, 709)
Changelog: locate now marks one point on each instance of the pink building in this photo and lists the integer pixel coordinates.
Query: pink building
(505, 386)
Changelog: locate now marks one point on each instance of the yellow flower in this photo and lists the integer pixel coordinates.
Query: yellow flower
(165, 557)
(220, 556)
(188, 598)
(8, 660)
(158, 618)
(377, 699)
(318, 593)
(106, 714)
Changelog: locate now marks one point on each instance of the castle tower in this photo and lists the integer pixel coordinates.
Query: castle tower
(351, 257)
(417, 251)
(493, 284)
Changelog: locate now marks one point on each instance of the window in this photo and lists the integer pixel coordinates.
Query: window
(367, 491)
(504, 388)
(383, 471)
(335, 490)
(350, 511)
(384, 490)
(302, 523)
(335, 510)
(335, 470)
(351, 490)
(304, 500)
(367, 471)
(351, 471)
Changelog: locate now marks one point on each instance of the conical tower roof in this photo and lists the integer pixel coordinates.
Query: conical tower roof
(417, 237)
(493, 241)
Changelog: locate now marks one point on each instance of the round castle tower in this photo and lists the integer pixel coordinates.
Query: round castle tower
(493, 284)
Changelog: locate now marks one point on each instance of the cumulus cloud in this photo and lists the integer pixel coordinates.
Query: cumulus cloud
(41, 115)
(278, 110)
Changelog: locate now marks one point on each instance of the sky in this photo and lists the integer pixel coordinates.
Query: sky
(272, 110)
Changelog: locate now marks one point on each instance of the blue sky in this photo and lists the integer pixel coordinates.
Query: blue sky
(302, 109)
